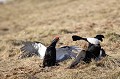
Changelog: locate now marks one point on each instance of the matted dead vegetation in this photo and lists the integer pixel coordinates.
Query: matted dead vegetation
(42, 20)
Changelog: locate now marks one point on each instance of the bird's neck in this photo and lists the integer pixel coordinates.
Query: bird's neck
(53, 44)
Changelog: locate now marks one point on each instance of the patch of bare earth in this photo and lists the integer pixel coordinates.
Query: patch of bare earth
(41, 20)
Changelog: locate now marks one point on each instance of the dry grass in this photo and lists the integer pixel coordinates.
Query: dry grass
(41, 20)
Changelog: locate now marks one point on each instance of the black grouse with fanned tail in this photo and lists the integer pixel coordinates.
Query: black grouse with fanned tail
(94, 50)
(50, 54)
(94, 47)
(94, 40)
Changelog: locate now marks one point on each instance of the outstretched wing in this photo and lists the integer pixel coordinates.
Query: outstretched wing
(66, 52)
(80, 56)
(31, 48)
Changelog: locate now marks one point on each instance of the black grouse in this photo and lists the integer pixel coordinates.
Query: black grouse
(94, 47)
(94, 50)
(50, 54)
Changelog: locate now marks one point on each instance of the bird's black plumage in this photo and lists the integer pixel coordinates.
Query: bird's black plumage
(99, 37)
(75, 38)
(50, 54)
(93, 50)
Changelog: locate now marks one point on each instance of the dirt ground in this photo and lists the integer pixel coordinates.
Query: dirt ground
(42, 20)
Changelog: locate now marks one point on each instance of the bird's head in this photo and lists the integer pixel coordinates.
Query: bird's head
(57, 37)
(55, 40)
(99, 37)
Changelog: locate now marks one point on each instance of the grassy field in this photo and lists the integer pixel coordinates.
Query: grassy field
(42, 20)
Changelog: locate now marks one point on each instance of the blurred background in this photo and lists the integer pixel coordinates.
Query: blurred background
(42, 20)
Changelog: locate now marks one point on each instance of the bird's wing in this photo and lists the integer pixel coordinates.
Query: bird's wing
(80, 56)
(30, 48)
(66, 52)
